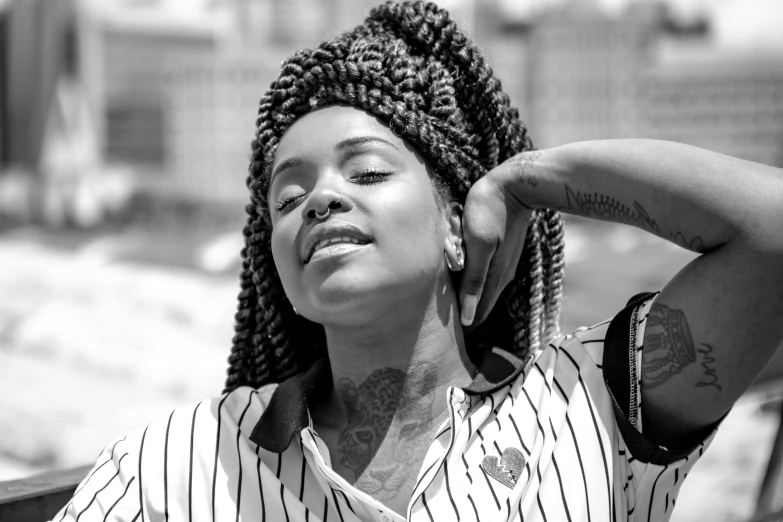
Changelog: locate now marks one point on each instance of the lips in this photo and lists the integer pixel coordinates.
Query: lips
(341, 239)
(332, 234)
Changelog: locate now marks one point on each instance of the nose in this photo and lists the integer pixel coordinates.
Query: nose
(323, 200)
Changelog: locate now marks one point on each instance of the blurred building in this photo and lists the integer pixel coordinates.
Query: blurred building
(583, 71)
(211, 109)
(726, 102)
(35, 49)
(125, 49)
(176, 96)
(171, 86)
(212, 98)
(577, 73)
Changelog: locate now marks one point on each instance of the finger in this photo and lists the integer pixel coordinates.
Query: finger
(478, 256)
(502, 270)
(493, 287)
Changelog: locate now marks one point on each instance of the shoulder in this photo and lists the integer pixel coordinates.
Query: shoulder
(196, 427)
(615, 333)
(232, 409)
(594, 370)
(604, 353)
(603, 360)
(153, 469)
(602, 363)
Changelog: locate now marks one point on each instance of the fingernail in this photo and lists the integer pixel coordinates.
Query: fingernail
(468, 309)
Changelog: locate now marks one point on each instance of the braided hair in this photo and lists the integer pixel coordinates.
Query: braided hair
(410, 66)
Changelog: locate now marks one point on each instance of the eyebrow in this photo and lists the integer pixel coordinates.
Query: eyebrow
(285, 165)
(349, 143)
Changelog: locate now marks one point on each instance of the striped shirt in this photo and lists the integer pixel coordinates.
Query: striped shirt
(556, 437)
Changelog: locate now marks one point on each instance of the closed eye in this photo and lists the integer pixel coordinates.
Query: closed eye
(285, 202)
(371, 177)
(366, 177)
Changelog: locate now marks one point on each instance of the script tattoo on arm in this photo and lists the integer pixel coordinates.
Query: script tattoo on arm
(694, 245)
(669, 347)
(601, 206)
(711, 378)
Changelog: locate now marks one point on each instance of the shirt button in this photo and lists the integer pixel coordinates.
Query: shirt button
(385, 518)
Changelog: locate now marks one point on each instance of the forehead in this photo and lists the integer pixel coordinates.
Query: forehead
(321, 130)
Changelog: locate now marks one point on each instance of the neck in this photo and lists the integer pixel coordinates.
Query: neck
(411, 356)
(389, 388)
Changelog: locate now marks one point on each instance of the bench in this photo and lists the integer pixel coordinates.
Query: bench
(39, 498)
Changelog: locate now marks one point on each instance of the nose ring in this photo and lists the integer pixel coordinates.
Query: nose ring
(329, 208)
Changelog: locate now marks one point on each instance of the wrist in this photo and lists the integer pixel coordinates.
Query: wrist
(534, 178)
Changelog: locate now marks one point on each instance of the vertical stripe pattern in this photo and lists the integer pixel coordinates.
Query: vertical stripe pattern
(543, 447)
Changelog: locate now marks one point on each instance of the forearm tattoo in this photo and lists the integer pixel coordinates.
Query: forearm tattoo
(523, 166)
(669, 347)
(372, 407)
(601, 206)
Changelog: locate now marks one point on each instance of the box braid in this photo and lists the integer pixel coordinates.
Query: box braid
(410, 66)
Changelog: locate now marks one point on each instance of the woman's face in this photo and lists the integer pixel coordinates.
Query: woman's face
(381, 247)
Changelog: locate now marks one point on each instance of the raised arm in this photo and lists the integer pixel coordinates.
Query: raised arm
(718, 322)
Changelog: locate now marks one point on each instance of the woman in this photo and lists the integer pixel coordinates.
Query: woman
(402, 282)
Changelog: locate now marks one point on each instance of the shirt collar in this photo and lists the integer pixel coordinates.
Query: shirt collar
(286, 414)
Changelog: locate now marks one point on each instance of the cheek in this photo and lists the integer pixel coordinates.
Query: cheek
(285, 256)
(411, 229)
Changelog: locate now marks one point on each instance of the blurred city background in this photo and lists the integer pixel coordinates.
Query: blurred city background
(125, 129)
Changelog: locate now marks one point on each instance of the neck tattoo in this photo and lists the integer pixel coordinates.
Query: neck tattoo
(382, 409)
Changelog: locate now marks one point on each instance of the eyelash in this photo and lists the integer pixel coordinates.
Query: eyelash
(282, 204)
(378, 176)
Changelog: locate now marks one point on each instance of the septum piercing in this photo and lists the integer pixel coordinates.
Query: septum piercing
(328, 208)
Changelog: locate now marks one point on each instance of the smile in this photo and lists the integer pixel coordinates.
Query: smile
(336, 246)
(332, 238)
(344, 239)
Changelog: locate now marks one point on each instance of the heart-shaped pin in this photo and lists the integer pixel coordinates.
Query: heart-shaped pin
(508, 470)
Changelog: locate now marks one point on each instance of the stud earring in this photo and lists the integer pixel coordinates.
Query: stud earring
(295, 310)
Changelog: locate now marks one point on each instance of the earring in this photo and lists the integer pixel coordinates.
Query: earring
(460, 260)
(448, 262)
(295, 310)
(458, 255)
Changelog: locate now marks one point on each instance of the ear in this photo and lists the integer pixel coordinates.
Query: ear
(453, 246)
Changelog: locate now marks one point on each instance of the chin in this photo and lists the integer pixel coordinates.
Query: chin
(349, 299)
(358, 295)
(351, 311)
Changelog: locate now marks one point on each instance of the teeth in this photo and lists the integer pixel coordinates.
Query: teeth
(340, 239)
